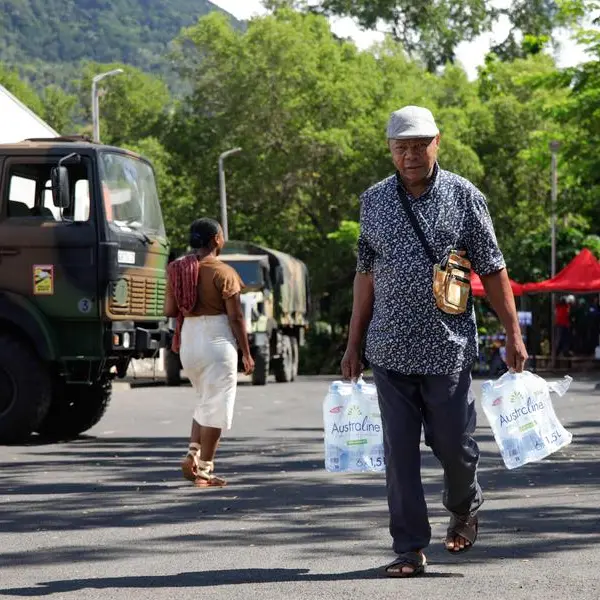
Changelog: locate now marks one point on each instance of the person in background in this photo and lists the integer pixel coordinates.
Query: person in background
(562, 320)
(203, 294)
(422, 356)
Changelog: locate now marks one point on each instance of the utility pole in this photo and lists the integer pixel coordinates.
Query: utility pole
(223, 193)
(554, 148)
(96, 104)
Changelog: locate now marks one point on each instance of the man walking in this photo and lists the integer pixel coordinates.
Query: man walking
(422, 343)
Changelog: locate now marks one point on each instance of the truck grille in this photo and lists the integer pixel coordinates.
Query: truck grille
(145, 297)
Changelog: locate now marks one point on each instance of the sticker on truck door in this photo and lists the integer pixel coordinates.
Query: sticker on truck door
(43, 280)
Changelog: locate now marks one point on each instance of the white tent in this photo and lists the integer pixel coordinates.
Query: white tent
(18, 123)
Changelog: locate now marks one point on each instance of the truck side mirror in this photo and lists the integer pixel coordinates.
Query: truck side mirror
(59, 177)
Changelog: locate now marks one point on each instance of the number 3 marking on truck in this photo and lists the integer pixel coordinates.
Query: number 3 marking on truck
(85, 305)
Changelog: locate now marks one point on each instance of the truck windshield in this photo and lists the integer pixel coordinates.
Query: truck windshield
(250, 271)
(130, 197)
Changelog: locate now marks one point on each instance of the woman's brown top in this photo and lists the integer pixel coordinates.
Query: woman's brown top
(217, 282)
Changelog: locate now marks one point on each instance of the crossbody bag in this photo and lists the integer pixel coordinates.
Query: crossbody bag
(451, 277)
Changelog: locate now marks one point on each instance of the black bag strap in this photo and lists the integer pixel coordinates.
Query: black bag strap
(415, 223)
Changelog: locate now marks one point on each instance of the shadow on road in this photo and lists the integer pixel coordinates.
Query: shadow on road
(135, 482)
(203, 579)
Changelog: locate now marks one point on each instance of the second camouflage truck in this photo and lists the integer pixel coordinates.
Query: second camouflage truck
(83, 257)
(275, 301)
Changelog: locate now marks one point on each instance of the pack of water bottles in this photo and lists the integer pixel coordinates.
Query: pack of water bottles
(353, 431)
(520, 412)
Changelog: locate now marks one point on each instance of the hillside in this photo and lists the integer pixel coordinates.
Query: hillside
(53, 35)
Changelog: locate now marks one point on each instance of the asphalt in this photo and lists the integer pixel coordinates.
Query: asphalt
(108, 516)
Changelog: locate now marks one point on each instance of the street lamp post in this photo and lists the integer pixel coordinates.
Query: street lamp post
(96, 104)
(554, 148)
(223, 193)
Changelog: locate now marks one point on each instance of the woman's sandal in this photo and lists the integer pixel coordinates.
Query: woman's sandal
(205, 477)
(464, 526)
(189, 465)
(413, 560)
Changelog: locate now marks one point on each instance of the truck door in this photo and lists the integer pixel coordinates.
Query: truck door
(48, 254)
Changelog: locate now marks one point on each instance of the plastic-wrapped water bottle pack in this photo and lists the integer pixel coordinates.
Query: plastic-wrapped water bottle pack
(520, 413)
(353, 431)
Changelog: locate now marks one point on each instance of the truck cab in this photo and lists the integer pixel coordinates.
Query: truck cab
(258, 290)
(83, 256)
(276, 305)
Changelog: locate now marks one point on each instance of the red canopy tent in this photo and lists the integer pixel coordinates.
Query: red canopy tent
(478, 289)
(580, 276)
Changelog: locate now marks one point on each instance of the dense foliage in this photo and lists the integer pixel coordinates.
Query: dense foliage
(309, 111)
(47, 38)
(432, 29)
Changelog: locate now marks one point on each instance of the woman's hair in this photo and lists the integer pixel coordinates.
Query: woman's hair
(202, 232)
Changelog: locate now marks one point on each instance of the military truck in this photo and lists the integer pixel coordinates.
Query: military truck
(83, 257)
(276, 303)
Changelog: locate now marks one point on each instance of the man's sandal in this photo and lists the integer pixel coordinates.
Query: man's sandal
(189, 465)
(413, 560)
(464, 526)
(205, 477)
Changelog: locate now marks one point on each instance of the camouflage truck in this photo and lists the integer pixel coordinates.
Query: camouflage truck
(83, 257)
(276, 303)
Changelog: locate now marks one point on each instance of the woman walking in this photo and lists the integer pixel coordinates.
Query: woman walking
(203, 293)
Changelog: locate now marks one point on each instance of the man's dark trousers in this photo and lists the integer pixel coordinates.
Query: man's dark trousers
(444, 406)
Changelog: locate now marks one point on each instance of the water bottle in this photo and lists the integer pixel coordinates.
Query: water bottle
(336, 452)
(512, 452)
(371, 455)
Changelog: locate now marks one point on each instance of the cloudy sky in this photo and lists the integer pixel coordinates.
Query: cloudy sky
(469, 54)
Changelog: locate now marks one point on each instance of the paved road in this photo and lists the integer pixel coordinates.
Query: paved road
(107, 516)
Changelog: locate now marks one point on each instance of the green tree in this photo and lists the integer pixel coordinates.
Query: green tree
(428, 29)
(534, 23)
(310, 112)
(289, 94)
(47, 39)
(10, 79)
(580, 117)
(59, 109)
(431, 30)
(532, 103)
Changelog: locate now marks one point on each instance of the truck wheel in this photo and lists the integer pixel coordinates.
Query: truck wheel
(76, 408)
(172, 368)
(261, 365)
(295, 358)
(25, 390)
(285, 365)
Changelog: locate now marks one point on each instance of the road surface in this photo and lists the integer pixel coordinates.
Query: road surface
(108, 516)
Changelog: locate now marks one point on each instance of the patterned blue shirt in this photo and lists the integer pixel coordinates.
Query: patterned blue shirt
(408, 333)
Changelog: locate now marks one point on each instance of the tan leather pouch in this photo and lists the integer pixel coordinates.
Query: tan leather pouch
(452, 284)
